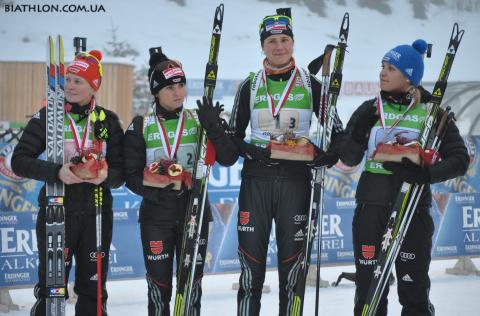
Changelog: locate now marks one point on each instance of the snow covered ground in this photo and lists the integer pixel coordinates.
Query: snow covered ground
(451, 295)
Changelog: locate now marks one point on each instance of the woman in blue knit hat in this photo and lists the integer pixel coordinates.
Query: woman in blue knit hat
(397, 116)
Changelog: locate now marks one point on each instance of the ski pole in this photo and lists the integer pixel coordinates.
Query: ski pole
(98, 225)
(80, 44)
(322, 115)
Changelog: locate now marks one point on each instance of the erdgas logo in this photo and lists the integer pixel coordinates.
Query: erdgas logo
(171, 134)
(406, 117)
(276, 97)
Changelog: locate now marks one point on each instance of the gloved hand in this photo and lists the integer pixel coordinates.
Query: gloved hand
(315, 65)
(209, 116)
(322, 158)
(425, 95)
(408, 171)
(365, 121)
(252, 152)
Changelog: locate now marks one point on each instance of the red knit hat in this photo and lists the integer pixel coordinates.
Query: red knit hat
(88, 66)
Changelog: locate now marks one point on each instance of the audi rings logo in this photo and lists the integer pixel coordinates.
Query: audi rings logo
(93, 255)
(300, 218)
(407, 255)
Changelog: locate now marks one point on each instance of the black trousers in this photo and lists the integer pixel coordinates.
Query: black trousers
(80, 243)
(411, 266)
(161, 241)
(262, 200)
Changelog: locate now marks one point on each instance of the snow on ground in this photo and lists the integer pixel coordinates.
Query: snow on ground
(451, 295)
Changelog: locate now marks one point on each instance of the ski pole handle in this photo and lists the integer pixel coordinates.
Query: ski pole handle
(326, 59)
(443, 121)
(80, 44)
(429, 50)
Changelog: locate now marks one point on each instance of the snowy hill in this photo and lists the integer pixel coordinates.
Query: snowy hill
(184, 33)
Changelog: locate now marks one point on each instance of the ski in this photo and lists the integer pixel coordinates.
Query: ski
(194, 216)
(325, 116)
(55, 213)
(409, 195)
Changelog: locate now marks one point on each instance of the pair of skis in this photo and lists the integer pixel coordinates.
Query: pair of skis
(327, 110)
(195, 214)
(409, 196)
(55, 212)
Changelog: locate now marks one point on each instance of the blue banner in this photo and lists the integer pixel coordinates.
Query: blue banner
(455, 210)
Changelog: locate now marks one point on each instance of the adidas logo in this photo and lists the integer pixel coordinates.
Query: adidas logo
(94, 277)
(409, 71)
(36, 116)
(130, 128)
(407, 278)
(299, 233)
(155, 84)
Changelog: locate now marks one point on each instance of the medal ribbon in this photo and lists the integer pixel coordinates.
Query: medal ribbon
(86, 129)
(381, 112)
(170, 151)
(275, 109)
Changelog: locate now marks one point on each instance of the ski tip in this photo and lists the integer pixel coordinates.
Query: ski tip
(457, 33)
(60, 49)
(344, 28)
(219, 12)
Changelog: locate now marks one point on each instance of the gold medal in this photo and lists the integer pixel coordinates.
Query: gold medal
(154, 167)
(175, 170)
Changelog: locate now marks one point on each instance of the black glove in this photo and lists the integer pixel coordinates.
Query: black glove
(425, 96)
(322, 158)
(364, 123)
(408, 171)
(209, 116)
(315, 65)
(253, 152)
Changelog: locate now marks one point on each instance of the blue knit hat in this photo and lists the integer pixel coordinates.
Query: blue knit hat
(408, 59)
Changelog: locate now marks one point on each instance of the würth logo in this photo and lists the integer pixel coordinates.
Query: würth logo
(244, 218)
(156, 246)
(368, 251)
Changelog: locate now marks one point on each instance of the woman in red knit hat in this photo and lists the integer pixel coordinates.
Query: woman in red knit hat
(93, 140)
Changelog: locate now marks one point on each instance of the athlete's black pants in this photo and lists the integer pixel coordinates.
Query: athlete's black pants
(80, 242)
(262, 199)
(161, 240)
(411, 266)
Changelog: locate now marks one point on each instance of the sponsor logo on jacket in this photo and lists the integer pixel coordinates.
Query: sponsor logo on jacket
(368, 251)
(156, 246)
(244, 219)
